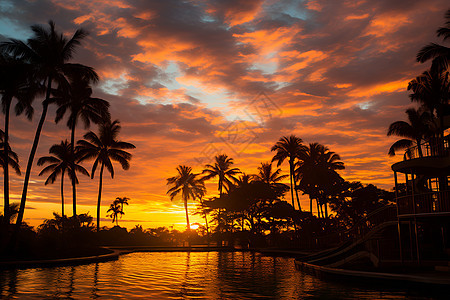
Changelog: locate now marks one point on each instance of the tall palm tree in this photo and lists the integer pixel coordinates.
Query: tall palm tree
(289, 147)
(221, 169)
(418, 128)
(104, 148)
(115, 210)
(59, 163)
(439, 53)
(15, 83)
(7, 158)
(77, 99)
(188, 185)
(316, 173)
(48, 51)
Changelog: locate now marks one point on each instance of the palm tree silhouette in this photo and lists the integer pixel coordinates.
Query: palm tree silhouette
(59, 163)
(266, 175)
(186, 183)
(48, 52)
(13, 211)
(121, 201)
(115, 210)
(440, 54)
(316, 173)
(104, 148)
(15, 83)
(5, 161)
(415, 131)
(222, 169)
(77, 99)
(289, 147)
(13, 159)
(432, 89)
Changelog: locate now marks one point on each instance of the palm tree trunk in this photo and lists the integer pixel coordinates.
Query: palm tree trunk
(187, 215)
(291, 174)
(30, 161)
(6, 165)
(74, 189)
(62, 193)
(99, 197)
(310, 203)
(291, 165)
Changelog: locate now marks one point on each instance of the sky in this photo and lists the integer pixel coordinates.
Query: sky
(192, 79)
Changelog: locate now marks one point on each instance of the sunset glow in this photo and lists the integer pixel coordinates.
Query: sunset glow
(189, 80)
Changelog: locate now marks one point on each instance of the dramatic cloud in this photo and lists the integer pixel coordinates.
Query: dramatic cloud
(190, 79)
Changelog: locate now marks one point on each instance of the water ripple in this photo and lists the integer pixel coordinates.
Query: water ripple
(180, 275)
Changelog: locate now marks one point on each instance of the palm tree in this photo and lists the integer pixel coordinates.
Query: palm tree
(316, 173)
(266, 175)
(7, 158)
(115, 210)
(440, 54)
(77, 98)
(222, 169)
(415, 131)
(104, 148)
(13, 211)
(59, 163)
(289, 147)
(13, 159)
(14, 84)
(121, 201)
(48, 52)
(432, 89)
(186, 183)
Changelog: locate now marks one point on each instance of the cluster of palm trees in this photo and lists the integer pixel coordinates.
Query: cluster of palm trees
(431, 90)
(41, 66)
(116, 209)
(312, 170)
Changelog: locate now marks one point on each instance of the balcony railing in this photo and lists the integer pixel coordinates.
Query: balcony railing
(427, 203)
(436, 146)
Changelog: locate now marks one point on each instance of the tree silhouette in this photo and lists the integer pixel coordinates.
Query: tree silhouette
(122, 201)
(59, 163)
(415, 131)
(440, 54)
(104, 148)
(48, 52)
(77, 99)
(221, 169)
(266, 175)
(7, 158)
(188, 185)
(289, 147)
(432, 89)
(15, 83)
(316, 173)
(116, 210)
(13, 159)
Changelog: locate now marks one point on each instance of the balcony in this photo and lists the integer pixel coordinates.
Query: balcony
(434, 147)
(429, 158)
(432, 203)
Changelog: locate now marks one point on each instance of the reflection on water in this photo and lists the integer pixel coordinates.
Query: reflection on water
(181, 275)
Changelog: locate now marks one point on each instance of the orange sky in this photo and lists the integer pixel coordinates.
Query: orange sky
(184, 77)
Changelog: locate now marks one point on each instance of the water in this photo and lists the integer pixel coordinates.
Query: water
(182, 275)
